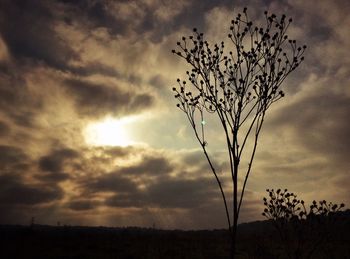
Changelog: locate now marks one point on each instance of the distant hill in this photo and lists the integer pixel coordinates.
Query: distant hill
(257, 239)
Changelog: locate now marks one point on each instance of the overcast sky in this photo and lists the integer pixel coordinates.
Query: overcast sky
(89, 130)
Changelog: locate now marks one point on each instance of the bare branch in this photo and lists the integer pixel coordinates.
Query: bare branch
(238, 87)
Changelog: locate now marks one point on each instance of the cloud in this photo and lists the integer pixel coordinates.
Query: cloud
(111, 182)
(183, 193)
(94, 14)
(11, 158)
(95, 68)
(126, 200)
(153, 180)
(54, 161)
(13, 192)
(14, 92)
(148, 166)
(112, 152)
(123, 18)
(168, 193)
(52, 165)
(82, 205)
(4, 129)
(31, 34)
(4, 54)
(319, 123)
(94, 99)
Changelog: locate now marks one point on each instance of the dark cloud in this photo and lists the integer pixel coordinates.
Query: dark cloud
(142, 17)
(169, 193)
(81, 205)
(24, 118)
(111, 182)
(183, 193)
(150, 165)
(54, 161)
(11, 158)
(94, 68)
(17, 102)
(195, 158)
(131, 186)
(4, 129)
(53, 177)
(127, 200)
(14, 93)
(104, 155)
(31, 34)
(183, 19)
(96, 99)
(320, 123)
(159, 83)
(51, 165)
(15, 192)
(109, 15)
(140, 101)
(116, 151)
(96, 14)
(160, 190)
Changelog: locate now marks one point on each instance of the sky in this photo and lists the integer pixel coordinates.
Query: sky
(89, 129)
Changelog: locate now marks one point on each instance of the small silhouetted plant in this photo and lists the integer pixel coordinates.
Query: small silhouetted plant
(301, 229)
(238, 87)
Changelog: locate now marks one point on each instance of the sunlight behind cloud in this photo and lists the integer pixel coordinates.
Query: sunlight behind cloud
(110, 132)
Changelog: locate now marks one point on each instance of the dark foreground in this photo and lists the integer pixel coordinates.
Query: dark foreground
(257, 240)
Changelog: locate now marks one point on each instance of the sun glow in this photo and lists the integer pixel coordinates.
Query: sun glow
(110, 132)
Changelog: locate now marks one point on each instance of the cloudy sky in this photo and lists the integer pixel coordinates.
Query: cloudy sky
(89, 130)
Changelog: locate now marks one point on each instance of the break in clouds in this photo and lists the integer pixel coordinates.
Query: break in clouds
(65, 65)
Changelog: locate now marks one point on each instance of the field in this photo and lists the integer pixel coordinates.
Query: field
(256, 240)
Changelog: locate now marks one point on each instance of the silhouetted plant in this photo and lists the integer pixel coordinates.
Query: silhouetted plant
(237, 86)
(301, 230)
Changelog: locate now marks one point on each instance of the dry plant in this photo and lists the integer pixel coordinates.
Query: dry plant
(301, 230)
(238, 86)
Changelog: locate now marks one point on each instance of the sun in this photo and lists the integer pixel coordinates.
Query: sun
(110, 132)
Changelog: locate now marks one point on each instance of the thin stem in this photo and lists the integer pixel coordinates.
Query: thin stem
(250, 162)
(203, 144)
